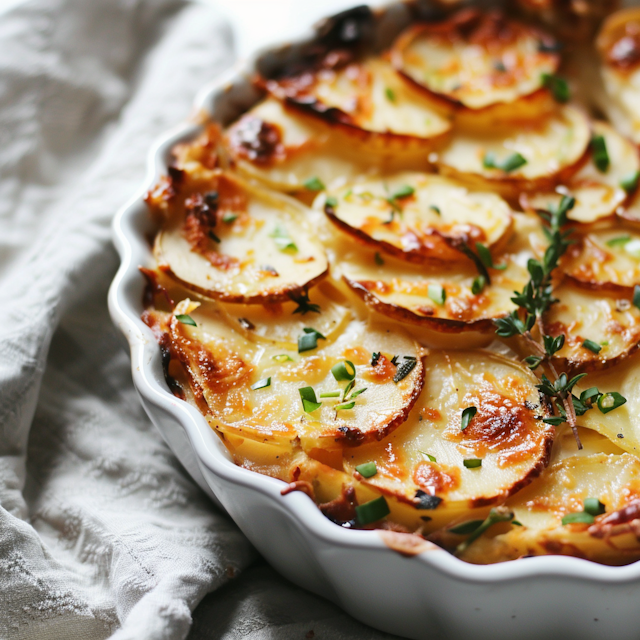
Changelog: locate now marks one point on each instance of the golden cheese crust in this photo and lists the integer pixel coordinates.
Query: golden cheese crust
(408, 285)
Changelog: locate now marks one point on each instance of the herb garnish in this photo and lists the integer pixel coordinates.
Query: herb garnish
(309, 401)
(261, 384)
(304, 304)
(467, 415)
(186, 319)
(344, 370)
(405, 368)
(592, 346)
(378, 259)
(629, 183)
(372, 511)
(390, 93)
(437, 293)
(309, 339)
(282, 239)
(472, 463)
(314, 184)
(428, 455)
(509, 164)
(592, 508)
(600, 153)
(367, 469)
(475, 528)
(375, 356)
(636, 296)
(478, 285)
(558, 86)
(228, 218)
(533, 301)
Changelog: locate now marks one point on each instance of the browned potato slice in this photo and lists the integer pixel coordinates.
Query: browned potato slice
(524, 157)
(406, 215)
(230, 374)
(605, 259)
(248, 245)
(366, 99)
(612, 479)
(429, 451)
(285, 148)
(610, 325)
(475, 60)
(414, 294)
(619, 46)
(598, 194)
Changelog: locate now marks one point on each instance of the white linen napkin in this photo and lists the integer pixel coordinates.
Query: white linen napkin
(102, 533)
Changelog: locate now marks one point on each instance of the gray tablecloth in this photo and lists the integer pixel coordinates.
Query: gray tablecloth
(102, 534)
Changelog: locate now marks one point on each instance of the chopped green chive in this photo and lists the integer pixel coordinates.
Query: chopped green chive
(186, 319)
(467, 415)
(367, 470)
(331, 394)
(403, 192)
(636, 296)
(344, 371)
(261, 384)
(472, 463)
(213, 236)
(478, 285)
(629, 183)
(390, 93)
(619, 241)
(516, 523)
(582, 517)
(372, 511)
(633, 248)
(558, 86)
(314, 184)
(282, 239)
(282, 357)
(509, 164)
(466, 528)
(228, 218)
(309, 339)
(609, 401)
(309, 401)
(496, 515)
(592, 346)
(379, 260)
(486, 257)
(435, 209)
(428, 455)
(593, 506)
(331, 202)
(437, 293)
(600, 153)
(405, 369)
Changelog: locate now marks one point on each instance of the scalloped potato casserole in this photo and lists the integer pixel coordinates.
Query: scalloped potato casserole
(407, 283)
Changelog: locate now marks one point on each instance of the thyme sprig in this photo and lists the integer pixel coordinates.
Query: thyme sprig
(533, 301)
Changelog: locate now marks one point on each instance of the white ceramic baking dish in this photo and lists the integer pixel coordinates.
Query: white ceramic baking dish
(432, 595)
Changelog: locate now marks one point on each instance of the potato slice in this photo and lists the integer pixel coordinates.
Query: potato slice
(562, 489)
(366, 99)
(403, 292)
(230, 373)
(621, 425)
(429, 451)
(263, 252)
(598, 194)
(285, 148)
(475, 59)
(282, 323)
(542, 153)
(406, 215)
(610, 324)
(619, 47)
(605, 259)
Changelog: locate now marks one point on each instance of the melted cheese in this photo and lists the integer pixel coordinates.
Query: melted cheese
(411, 227)
(475, 60)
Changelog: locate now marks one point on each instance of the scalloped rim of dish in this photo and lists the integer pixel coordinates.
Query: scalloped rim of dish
(133, 249)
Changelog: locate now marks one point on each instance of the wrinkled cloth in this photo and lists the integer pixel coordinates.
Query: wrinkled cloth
(102, 533)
